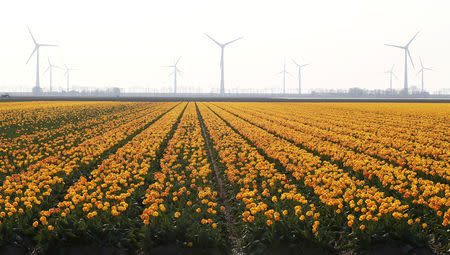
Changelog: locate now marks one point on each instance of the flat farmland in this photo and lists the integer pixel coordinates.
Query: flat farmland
(224, 177)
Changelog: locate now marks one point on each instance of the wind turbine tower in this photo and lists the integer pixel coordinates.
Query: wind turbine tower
(222, 47)
(299, 76)
(50, 68)
(407, 54)
(391, 73)
(67, 74)
(175, 72)
(422, 68)
(37, 45)
(284, 72)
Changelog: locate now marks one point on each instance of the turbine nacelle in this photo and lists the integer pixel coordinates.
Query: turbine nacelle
(423, 68)
(391, 72)
(406, 47)
(68, 69)
(222, 45)
(284, 70)
(298, 65)
(50, 66)
(38, 45)
(175, 65)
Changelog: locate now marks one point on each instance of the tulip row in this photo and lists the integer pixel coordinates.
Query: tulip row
(404, 181)
(426, 124)
(367, 200)
(19, 193)
(182, 196)
(18, 153)
(106, 192)
(406, 153)
(358, 201)
(24, 118)
(264, 194)
(422, 130)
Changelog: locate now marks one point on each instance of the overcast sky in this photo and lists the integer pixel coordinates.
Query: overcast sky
(125, 43)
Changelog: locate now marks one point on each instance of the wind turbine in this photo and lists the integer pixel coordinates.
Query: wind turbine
(407, 54)
(67, 74)
(175, 71)
(422, 68)
(300, 75)
(222, 47)
(36, 49)
(50, 68)
(391, 73)
(284, 72)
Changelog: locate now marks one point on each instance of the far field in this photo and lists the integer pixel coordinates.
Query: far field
(224, 177)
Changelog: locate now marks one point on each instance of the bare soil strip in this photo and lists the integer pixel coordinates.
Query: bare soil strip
(236, 248)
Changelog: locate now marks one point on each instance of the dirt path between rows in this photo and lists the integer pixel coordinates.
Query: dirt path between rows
(236, 248)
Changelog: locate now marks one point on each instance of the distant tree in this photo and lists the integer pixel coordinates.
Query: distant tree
(413, 89)
(115, 91)
(356, 91)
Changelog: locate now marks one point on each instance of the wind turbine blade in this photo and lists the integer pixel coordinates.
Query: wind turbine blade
(220, 45)
(278, 73)
(167, 66)
(410, 58)
(176, 63)
(32, 37)
(289, 73)
(53, 45)
(295, 62)
(421, 65)
(410, 41)
(170, 74)
(395, 76)
(233, 41)
(48, 68)
(305, 65)
(419, 72)
(35, 48)
(429, 69)
(392, 69)
(50, 64)
(391, 45)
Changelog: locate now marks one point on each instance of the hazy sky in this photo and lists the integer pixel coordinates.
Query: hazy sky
(125, 43)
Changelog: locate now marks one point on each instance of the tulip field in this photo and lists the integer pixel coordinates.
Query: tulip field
(225, 177)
